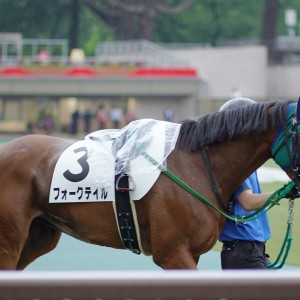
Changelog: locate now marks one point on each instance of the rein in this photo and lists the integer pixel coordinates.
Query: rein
(290, 136)
(291, 190)
(287, 243)
(272, 201)
(213, 183)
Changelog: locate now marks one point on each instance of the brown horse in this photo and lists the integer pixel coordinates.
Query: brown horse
(175, 227)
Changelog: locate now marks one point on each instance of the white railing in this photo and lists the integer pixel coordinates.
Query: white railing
(175, 285)
(57, 49)
(15, 51)
(137, 52)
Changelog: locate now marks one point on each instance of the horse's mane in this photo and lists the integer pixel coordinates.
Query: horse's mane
(231, 123)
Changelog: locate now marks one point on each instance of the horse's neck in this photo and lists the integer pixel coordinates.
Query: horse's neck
(239, 158)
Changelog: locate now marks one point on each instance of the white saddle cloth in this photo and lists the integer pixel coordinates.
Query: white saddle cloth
(85, 172)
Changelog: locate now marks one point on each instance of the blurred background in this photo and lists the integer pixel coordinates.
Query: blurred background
(62, 61)
(69, 67)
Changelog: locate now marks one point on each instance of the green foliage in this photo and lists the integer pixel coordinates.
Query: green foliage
(206, 21)
(212, 21)
(34, 18)
(93, 31)
(51, 20)
(295, 4)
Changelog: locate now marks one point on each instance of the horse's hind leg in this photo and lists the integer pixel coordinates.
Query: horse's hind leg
(42, 239)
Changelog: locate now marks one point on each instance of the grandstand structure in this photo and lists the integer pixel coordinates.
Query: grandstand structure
(140, 77)
(15, 50)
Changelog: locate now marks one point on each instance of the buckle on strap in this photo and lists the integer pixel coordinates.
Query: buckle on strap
(124, 212)
(125, 185)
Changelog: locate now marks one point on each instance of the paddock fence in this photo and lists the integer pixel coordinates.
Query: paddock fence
(146, 285)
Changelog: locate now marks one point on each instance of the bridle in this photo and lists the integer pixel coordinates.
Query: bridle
(286, 144)
(213, 183)
(285, 147)
(285, 152)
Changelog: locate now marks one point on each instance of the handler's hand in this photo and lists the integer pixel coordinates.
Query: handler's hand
(293, 193)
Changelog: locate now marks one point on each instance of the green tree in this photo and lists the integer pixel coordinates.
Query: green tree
(269, 27)
(60, 19)
(212, 22)
(35, 18)
(135, 19)
(85, 23)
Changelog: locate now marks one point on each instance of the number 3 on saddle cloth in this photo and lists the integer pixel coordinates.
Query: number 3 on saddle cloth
(93, 170)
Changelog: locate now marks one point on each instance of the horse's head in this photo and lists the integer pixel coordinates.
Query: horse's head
(286, 145)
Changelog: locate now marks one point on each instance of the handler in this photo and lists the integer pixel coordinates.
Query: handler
(244, 243)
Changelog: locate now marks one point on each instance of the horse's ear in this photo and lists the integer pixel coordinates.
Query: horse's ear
(298, 111)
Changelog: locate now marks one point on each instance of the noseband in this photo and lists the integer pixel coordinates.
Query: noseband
(286, 143)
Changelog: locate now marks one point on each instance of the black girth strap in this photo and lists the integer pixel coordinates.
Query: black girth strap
(212, 178)
(127, 228)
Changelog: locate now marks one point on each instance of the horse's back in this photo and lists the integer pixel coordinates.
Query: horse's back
(33, 145)
(29, 161)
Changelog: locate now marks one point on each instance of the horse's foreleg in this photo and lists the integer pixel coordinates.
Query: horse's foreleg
(42, 239)
(176, 259)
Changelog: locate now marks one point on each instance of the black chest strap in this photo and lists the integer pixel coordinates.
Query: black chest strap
(125, 214)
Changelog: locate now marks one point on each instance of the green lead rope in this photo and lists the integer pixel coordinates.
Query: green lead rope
(285, 249)
(272, 200)
(287, 243)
